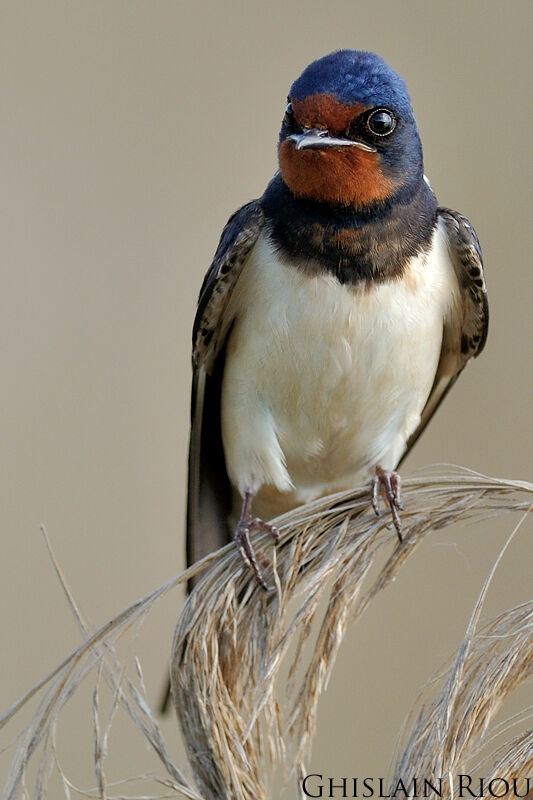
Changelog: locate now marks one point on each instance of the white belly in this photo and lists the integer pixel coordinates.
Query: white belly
(323, 382)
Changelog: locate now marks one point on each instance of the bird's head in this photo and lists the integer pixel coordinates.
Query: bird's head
(349, 135)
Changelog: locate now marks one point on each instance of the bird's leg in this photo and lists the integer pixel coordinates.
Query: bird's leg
(391, 483)
(245, 526)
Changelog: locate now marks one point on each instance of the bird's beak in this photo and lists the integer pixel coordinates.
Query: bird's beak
(314, 138)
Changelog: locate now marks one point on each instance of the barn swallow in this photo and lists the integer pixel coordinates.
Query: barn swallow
(338, 311)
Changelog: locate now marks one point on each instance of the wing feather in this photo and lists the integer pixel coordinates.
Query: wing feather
(209, 490)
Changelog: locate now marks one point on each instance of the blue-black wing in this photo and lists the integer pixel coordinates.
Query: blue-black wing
(209, 492)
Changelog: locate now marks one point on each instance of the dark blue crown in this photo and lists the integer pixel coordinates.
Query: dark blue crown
(354, 76)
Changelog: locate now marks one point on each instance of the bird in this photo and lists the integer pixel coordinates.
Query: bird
(338, 311)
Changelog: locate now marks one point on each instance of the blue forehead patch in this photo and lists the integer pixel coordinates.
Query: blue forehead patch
(354, 76)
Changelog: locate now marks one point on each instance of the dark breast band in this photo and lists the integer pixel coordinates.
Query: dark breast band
(374, 244)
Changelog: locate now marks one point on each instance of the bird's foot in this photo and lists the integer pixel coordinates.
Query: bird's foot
(246, 525)
(391, 484)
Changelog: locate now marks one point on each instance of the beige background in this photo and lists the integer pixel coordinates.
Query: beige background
(130, 131)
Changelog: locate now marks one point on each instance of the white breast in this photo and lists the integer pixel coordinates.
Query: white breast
(323, 382)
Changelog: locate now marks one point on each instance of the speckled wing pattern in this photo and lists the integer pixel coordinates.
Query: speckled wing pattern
(238, 238)
(209, 490)
(466, 340)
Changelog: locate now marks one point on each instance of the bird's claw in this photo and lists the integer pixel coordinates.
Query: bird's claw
(258, 524)
(392, 485)
(245, 547)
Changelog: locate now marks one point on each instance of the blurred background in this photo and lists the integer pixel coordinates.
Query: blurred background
(130, 132)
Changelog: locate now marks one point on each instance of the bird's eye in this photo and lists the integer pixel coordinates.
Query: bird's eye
(288, 110)
(381, 122)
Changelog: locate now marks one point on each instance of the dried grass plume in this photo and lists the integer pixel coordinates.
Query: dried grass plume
(233, 640)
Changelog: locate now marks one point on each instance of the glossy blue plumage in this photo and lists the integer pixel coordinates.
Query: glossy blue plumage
(354, 76)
